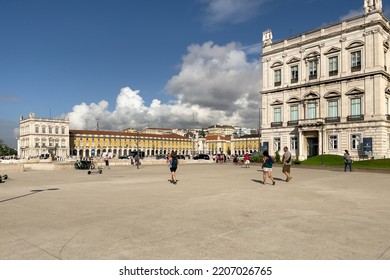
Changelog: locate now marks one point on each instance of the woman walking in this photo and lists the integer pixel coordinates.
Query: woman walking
(173, 163)
(267, 168)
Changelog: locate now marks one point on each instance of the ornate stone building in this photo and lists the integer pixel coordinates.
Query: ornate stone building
(87, 143)
(328, 90)
(40, 136)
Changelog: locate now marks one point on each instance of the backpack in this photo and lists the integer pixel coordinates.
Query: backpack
(174, 162)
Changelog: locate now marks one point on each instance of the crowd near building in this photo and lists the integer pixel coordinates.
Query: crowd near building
(40, 137)
(323, 92)
(327, 90)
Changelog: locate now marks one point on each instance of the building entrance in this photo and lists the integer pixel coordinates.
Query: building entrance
(312, 147)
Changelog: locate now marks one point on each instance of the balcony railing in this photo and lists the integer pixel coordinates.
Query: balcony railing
(333, 73)
(313, 77)
(311, 122)
(276, 124)
(388, 117)
(294, 80)
(276, 84)
(291, 123)
(355, 118)
(332, 120)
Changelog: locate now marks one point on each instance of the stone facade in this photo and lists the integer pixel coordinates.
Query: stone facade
(327, 90)
(39, 136)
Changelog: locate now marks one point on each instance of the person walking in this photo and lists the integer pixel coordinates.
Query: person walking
(247, 160)
(347, 161)
(173, 163)
(106, 160)
(267, 168)
(286, 161)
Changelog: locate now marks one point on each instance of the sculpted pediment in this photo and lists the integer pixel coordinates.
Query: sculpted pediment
(312, 55)
(277, 64)
(332, 50)
(332, 94)
(277, 102)
(355, 44)
(311, 95)
(355, 91)
(293, 60)
(293, 100)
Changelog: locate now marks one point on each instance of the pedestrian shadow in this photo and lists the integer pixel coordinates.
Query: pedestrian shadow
(32, 192)
(257, 181)
(279, 179)
(261, 182)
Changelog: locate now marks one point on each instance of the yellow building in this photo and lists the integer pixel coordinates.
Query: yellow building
(246, 143)
(87, 143)
(217, 144)
(220, 130)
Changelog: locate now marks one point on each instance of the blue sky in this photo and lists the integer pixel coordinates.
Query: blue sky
(139, 63)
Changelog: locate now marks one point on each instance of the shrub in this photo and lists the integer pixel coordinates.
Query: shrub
(256, 158)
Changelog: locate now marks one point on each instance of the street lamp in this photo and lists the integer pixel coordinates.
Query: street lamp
(322, 141)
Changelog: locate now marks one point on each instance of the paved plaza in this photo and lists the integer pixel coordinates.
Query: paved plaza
(214, 212)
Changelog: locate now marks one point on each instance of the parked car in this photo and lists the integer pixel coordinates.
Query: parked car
(201, 156)
(181, 156)
(123, 157)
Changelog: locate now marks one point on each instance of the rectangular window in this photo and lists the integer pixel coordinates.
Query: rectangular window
(294, 113)
(355, 141)
(50, 129)
(278, 77)
(312, 69)
(356, 61)
(333, 66)
(277, 144)
(311, 110)
(333, 111)
(56, 129)
(356, 109)
(36, 129)
(294, 144)
(294, 74)
(277, 115)
(63, 130)
(333, 142)
(387, 106)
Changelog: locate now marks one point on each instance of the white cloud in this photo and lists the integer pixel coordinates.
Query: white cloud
(230, 11)
(216, 84)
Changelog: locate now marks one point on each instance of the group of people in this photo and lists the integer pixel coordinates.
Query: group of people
(173, 162)
(267, 166)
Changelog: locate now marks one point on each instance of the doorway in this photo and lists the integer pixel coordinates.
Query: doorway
(312, 147)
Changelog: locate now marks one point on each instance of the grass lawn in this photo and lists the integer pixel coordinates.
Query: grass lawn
(338, 161)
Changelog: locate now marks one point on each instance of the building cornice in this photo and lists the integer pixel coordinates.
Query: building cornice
(382, 22)
(328, 81)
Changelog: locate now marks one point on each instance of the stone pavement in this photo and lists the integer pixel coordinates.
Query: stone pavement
(214, 212)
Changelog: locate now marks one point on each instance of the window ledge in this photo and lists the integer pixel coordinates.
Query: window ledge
(332, 120)
(355, 118)
(276, 124)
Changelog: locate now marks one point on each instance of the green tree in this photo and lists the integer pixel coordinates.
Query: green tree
(5, 150)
